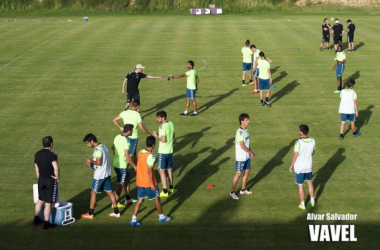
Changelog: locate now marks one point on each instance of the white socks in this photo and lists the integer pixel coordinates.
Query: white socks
(134, 218)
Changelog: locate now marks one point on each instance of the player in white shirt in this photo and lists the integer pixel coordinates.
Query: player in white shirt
(247, 62)
(302, 164)
(243, 156)
(100, 163)
(348, 108)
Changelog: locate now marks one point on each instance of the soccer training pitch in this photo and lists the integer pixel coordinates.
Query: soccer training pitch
(62, 77)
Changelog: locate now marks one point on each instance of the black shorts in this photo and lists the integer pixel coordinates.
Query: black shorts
(325, 38)
(135, 96)
(47, 190)
(350, 39)
(337, 39)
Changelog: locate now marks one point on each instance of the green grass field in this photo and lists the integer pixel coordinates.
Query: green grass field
(64, 79)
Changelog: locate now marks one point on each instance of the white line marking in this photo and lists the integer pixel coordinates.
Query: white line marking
(23, 54)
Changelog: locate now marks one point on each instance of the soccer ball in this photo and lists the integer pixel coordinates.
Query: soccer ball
(332, 19)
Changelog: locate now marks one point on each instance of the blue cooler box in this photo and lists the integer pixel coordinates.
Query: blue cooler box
(62, 215)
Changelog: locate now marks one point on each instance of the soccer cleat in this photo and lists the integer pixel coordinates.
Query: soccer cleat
(336, 91)
(328, 49)
(262, 104)
(312, 204)
(234, 196)
(245, 192)
(131, 201)
(119, 205)
(244, 85)
(250, 83)
(163, 194)
(114, 215)
(357, 134)
(193, 114)
(320, 49)
(48, 226)
(167, 218)
(183, 113)
(88, 216)
(37, 221)
(341, 137)
(268, 104)
(136, 223)
(171, 191)
(301, 207)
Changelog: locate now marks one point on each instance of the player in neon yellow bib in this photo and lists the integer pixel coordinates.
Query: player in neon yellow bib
(121, 154)
(192, 87)
(133, 117)
(166, 137)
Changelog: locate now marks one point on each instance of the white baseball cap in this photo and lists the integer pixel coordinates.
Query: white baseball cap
(139, 66)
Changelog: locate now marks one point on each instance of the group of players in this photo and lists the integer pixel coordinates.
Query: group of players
(258, 67)
(337, 31)
(125, 144)
(124, 150)
(304, 148)
(348, 107)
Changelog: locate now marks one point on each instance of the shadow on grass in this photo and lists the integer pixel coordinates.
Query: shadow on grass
(196, 177)
(185, 160)
(364, 117)
(274, 69)
(81, 201)
(276, 161)
(354, 76)
(359, 45)
(322, 176)
(218, 98)
(284, 91)
(161, 105)
(193, 138)
(282, 75)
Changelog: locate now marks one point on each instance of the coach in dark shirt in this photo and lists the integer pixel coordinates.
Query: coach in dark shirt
(47, 171)
(338, 31)
(325, 34)
(350, 35)
(132, 80)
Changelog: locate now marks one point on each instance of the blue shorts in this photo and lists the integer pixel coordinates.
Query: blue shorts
(256, 72)
(190, 93)
(121, 174)
(164, 161)
(143, 192)
(247, 66)
(132, 145)
(347, 117)
(339, 70)
(264, 84)
(301, 177)
(102, 185)
(241, 166)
